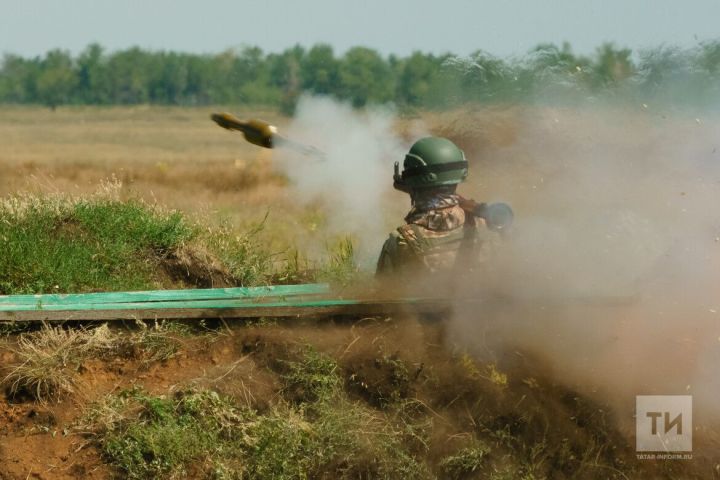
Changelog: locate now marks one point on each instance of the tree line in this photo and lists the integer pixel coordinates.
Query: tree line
(361, 76)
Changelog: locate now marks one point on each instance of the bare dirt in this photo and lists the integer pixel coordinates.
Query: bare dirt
(382, 361)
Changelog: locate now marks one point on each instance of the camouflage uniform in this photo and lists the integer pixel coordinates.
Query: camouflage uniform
(439, 237)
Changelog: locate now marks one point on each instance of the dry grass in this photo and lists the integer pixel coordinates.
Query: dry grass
(160, 152)
(47, 360)
(172, 156)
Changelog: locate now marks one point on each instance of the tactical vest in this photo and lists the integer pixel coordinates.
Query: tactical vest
(437, 251)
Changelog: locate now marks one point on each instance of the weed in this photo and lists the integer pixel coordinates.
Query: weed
(131, 224)
(340, 267)
(48, 358)
(245, 259)
(491, 373)
(43, 360)
(156, 343)
(384, 384)
(465, 461)
(103, 243)
(62, 244)
(294, 268)
(361, 443)
(165, 435)
(413, 423)
(312, 378)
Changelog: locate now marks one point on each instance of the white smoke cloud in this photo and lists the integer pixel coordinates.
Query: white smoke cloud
(356, 171)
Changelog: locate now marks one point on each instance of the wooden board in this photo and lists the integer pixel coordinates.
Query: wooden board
(277, 309)
(253, 293)
(271, 301)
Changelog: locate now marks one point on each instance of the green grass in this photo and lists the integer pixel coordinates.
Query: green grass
(321, 434)
(465, 461)
(66, 245)
(313, 378)
(339, 267)
(148, 437)
(242, 255)
(105, 243)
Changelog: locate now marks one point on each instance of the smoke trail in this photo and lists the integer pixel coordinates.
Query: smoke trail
(356, 173)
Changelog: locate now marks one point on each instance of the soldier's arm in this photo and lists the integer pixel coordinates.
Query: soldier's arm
(391, 256)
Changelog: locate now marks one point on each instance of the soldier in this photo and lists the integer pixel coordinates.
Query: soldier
(444, 233)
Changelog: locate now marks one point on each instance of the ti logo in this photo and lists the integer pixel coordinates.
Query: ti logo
(663, 423)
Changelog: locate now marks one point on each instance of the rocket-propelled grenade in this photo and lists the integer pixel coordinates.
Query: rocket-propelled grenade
(262, 134)
(498, 216)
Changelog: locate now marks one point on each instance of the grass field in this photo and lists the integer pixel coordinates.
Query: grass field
(176, 156)
(135, 195)
(172, 157)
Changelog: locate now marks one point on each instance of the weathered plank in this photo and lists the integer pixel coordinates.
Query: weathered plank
(190, 305)
(270, 301)
(251, 293)
(242, 310)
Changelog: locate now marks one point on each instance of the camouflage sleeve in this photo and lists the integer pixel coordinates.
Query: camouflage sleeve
(391, 254)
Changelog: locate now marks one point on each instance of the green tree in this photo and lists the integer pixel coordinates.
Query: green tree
(365, 77)
(92, 85)
(57, 79)
(18, 79)
(612, 65)
(709, 57)
(319, 71)
(482, 76)
(129, 72)
(361, 75)
(200, 81)
(285, 75)
(170, 80)
(417, 78)
(549, 60)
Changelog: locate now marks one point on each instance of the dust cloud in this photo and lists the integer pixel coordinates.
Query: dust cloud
(610, 275)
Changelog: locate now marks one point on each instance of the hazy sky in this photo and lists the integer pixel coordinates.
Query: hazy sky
(502, 27)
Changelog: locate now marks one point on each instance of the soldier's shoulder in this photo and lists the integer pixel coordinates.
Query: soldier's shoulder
(391, 255)
(394, 240)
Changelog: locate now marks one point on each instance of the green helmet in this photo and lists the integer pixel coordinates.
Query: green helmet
(431, 162)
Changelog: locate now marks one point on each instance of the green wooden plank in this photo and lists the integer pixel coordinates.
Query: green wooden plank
(165, 295)
(225, 303)
(309, 309)
(296, 307)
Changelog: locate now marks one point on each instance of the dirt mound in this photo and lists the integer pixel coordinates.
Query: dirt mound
(471, 419)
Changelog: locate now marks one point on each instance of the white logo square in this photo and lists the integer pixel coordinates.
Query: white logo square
(663, 423)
